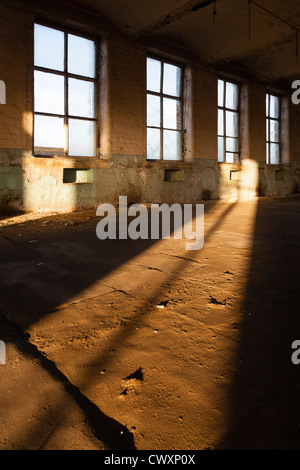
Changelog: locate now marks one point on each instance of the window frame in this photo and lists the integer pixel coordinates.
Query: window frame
(268, 128)
(66, 116)
(162, 95)
(224, 110)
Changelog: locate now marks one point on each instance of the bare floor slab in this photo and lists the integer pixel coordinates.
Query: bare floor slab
(143, 344)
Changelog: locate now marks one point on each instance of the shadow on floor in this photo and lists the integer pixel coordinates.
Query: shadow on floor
(265, 410)
(49, 262)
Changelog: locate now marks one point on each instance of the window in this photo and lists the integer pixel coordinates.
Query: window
(64, 93)
(273, 129)
(164, 110)
(2, 92)
(228, 122)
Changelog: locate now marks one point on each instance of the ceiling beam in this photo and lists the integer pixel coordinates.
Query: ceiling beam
(176, 15)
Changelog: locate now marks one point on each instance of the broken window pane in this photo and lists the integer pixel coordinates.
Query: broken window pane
(220, 149)
(221, 93)
(49, 94)
(274, 154)
(171, 145)
(153, 143)
(274, 106)
(220, 122)
(153, 111)
(81, 56)
(231, 96)
(153, 75)
(81, 98)
(49, 47)
(171, 114)
(49, 135)
(172, 80)
(231, 124)
(81, 138)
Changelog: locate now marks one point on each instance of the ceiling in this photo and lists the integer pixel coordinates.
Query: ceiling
(269, 53)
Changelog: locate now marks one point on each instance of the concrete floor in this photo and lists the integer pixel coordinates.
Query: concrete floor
(124, 344)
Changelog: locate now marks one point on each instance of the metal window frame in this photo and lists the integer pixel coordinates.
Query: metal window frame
(67, 75)
(268, 127)
(162, 95)
(237, 111)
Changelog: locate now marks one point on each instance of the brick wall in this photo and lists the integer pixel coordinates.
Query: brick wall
(37, 184)
(123, 115)
(13, 70)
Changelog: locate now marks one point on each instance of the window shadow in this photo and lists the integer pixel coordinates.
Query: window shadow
(49, 262)
(265, 408)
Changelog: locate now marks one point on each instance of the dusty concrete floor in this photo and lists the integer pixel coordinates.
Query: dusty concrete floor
(95, 362)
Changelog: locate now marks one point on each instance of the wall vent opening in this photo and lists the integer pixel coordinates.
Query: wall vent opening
(174, 175)
(77, 175)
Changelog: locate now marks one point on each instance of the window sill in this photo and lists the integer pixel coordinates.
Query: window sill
(231, 165)
(164, 161)
(69, 157)
(276, 165)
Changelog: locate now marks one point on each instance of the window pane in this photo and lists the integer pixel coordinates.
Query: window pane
(274, 154)
(172, 80)
(232, 145)
(171, 114)
(267, 130)
(267, 153)
(274, 131)
(81, 56)
(153, 75)
(231, 124)
(153, 110)
(49, 93)
(220, 122)
(171, 145)
(81, 138)
(231, 96)
(81, 98)
(229, 157)
(153, 143)
(48, 47)
(221, 93)
(274, 106)
(267, 104)
(49, 134)
(220, 149)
